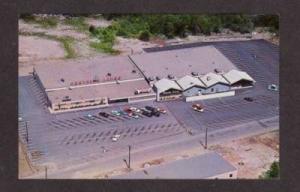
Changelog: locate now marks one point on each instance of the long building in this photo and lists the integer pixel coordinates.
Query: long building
(91, 83)
(191, 74)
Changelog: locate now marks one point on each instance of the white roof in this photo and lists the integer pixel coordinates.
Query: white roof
(234, 76)
(211, 79)
(166, 84)
(187, 82)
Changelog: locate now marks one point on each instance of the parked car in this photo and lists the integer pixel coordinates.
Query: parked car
(135, 115)
(153, 110)
(128, 110)
(114, 112)
(198, 107)
(273, 87)
(103, 114)
(250, 99)
(146, 112)
(122, 112)
(161, 110)
(89, 116)
(135, 109)
(115, 137)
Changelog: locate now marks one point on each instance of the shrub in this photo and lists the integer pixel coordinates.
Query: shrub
(144, 36)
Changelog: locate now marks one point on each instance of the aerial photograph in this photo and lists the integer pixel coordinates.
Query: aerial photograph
(148, 96)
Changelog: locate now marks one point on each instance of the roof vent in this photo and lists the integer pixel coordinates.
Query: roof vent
(217, 70)
(150, 79)
(208, 78)
(170, 76)
(194, 73)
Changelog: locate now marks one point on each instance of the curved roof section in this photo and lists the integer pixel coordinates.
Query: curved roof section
(234, 76)
(187, 82)
(211, 79)
(166, 84)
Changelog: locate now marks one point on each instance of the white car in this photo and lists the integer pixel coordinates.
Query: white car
(115, 137)
(134, 109)
(20, 119)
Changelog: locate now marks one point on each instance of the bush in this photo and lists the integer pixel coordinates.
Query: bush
(273, 172)
(77, 22)
(27, 17)
(144, 36)
(92, 29)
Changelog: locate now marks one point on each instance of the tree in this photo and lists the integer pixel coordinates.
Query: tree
(144, 36)
(273, 172)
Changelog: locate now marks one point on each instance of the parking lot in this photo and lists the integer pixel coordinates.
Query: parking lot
(73, 136)
(82, 136)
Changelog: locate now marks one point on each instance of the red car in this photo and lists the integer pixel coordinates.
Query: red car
(198, 107)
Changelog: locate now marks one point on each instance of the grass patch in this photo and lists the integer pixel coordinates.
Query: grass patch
(66, 42)
(78, 23)
(44, 22)
(107, 37)
(104, 47)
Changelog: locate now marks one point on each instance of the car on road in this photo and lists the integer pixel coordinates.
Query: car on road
(103, 114)
(198, 107)
(273, 87)
(250, 99)
(20, 119)
(114, 112)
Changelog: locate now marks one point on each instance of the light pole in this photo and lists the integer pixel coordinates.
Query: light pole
(129, 149)
(129, 157)
(26, 127)
(46, 172)
(205, 146)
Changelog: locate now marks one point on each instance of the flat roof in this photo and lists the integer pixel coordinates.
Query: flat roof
(51, 73)
(179, 63)
(111, 91)
(200, 167)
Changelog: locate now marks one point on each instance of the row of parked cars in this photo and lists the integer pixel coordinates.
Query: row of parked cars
(133, 112)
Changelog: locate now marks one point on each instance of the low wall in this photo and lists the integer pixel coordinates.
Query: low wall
(210, 96)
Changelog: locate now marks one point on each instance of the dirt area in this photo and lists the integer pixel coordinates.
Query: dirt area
(25, 169)
(252, 155)
(32, 48)
(131, 46)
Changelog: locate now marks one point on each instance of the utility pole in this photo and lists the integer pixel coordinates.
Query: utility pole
(129, 148)
(129, 157)
(205, 146)
(46, 172)
(26, 127)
